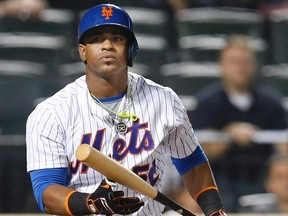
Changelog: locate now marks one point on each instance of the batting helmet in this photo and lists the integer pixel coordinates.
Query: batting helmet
(108, 14)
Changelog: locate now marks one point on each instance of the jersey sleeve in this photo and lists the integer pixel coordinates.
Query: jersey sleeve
(181, 140)
(44, 139)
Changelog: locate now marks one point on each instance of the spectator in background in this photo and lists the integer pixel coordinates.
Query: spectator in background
(22, 9)
(276, 182)
(239, 106)
(276, 185)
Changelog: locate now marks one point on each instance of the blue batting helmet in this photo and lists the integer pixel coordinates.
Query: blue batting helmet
(109, 14)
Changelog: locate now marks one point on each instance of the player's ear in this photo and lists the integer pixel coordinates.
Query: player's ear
(82, 52)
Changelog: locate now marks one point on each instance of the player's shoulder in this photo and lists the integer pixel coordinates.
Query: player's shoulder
(149, 85)
(64, 95)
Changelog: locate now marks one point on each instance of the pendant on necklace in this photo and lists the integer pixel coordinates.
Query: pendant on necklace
(121, 127)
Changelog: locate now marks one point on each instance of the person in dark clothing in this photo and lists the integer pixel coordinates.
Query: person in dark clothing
(239, 107)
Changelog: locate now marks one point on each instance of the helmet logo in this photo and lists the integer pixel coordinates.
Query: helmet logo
(107, 13)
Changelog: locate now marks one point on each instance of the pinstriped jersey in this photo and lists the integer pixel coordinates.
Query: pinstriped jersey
(72, 117)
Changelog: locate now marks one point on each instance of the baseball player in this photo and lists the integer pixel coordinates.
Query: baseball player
(125, 116)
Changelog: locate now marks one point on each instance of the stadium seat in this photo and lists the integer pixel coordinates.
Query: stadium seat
(42, 48)
(186, 78)
(207, 47)
(69, 72)
(148, 21)
(50, 21)
(153, 50)
(221, 20)
(279, 34)
(276, 76)
(21, 84)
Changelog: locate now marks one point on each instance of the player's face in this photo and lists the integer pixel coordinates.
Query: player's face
(105, 51)
(238, 66)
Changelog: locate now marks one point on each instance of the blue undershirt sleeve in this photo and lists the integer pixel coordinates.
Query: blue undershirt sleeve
(185, 164)
(43, 178)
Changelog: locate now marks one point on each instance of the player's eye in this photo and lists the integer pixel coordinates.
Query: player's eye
(96, 39)
(119, 38)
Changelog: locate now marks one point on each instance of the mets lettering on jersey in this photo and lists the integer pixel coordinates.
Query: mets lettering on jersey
(121, 149)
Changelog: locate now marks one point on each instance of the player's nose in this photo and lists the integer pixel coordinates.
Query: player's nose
(107, 44)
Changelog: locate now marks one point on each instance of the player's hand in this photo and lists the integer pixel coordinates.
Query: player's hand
(108, 202)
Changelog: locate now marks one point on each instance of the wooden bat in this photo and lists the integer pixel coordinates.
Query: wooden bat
(116, 172)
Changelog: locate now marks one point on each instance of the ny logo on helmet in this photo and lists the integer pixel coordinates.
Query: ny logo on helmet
(107, 13)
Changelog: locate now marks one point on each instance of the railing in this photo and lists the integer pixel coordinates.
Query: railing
(260, 137)
(207, 136)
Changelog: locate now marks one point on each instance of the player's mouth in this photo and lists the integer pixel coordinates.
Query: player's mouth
(108, 58)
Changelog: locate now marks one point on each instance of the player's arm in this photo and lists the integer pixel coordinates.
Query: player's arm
(50, 190)
(201, 186)
(199, 181)
(54, 197)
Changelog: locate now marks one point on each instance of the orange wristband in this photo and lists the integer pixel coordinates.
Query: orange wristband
(203, 190)
(67, 202)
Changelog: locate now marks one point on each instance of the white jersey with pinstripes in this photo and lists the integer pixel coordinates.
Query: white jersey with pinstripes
(71, 117)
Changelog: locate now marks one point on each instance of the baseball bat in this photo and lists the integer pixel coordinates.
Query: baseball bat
(116, 172)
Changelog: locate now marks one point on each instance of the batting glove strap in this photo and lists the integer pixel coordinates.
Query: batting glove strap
(108, 202)
(210, 203)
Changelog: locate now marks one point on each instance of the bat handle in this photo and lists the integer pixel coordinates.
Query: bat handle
(173, 205)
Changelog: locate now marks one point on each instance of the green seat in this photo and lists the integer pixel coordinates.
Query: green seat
(226, 20)
(21, 85)
(50, 21)
(69, 72)
(279, 35)
(45, 49)
(148, 21)
(153, 50)
(276, 76)
(186, 78)
(208, 47)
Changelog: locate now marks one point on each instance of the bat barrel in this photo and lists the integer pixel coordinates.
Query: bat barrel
(116, 172)
(113, 170)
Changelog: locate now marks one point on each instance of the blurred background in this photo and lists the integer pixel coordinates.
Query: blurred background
(180, 44)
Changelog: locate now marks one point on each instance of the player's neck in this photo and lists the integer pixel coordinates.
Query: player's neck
(102, 88)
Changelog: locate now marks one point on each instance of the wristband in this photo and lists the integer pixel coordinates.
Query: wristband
(210, 202)
(76, 203)
(220, 212)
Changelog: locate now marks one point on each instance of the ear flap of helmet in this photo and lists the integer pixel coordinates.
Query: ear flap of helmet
(132, 53)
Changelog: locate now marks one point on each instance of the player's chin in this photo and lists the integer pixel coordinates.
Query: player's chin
(114, 65)
(110, 63)
(110, 68)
